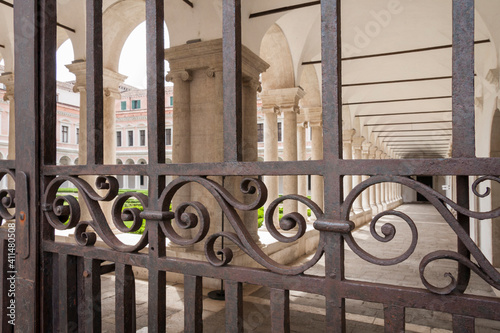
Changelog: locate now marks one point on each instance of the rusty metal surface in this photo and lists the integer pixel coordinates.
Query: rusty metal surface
(64, 292)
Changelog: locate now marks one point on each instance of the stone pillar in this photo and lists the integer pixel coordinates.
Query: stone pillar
(356, 149)
(378, 188)
(202, 105)
(373, 188)
(365, 196)
(289, 106)
(271, 151)
(384, 188)
(111, 83)
(8, 80)
(347, 136)
(317, 186)
(301, 156)
(181, 133)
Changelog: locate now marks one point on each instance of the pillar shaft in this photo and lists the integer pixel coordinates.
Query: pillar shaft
(317, 186)
(356, 149)
(301, 156)
(365, 196)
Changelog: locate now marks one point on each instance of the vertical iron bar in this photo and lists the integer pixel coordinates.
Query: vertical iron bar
(48, 47)
(68, 302)
(95, 98)
(234, 306)
(92, 291)
(332, 152)
(193, 304)
(463, 79)
(27, 50)
(156, 136)
(125, 319)
(463, 200)
(394, 318)
(280, 310)
(232, 76)
(463, 324)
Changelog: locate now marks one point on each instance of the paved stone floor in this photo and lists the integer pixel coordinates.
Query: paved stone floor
(308, 311)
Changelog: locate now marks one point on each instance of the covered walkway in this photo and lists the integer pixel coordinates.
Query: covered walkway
(308, 311)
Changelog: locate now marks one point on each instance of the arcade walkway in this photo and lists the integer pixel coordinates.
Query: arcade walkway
(307, 311)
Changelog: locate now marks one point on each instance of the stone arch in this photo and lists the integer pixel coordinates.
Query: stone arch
(65, 160)
(119, 20)
(276, 52)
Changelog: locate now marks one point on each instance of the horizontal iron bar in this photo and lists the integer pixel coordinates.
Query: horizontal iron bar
(399, 114)
(398, 81)
(285, 9)
(385, 54)
(456, 166)
(8, 4)
(2, 46)
(7, 164)
(410, 123)
(189, 3)
(399, 100)
(463, 304)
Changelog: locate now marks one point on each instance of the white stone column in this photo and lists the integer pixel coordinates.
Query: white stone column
(301, 156)
(373, 188)
(270, 110)
(378, 187)
(356, 149)
(8, 80)
(111, 83)
(365, 196)
(317, 186)
(347, 136)
(384, 188)
(181, 134)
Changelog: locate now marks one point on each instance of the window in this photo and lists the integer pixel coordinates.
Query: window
(64, 136)
(136, 104)
(130, 138)
(124, 105)
(142, 135)
(168, 136)
(118, 139)
(171, 100)
(260, 132)
(77, 135)
(279, 133)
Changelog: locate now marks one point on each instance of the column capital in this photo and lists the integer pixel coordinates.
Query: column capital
(184, 75)
(383, 156)
(208, 55)
(313, 124)
(347, 135)
(373, 152)
(253, 83)
(303, 124)
(366, 147)
(111, 80)
(357, 142)
(378, 154)
(8, 80)
(270, 109)
(286, 99)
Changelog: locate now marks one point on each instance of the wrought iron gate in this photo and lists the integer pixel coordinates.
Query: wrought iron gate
(58, 284)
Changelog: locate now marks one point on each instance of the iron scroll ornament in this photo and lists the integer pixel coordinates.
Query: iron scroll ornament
(240, 237)
(483, 268)
(63, 213)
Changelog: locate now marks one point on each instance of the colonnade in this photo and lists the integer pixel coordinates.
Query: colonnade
(372, 201)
